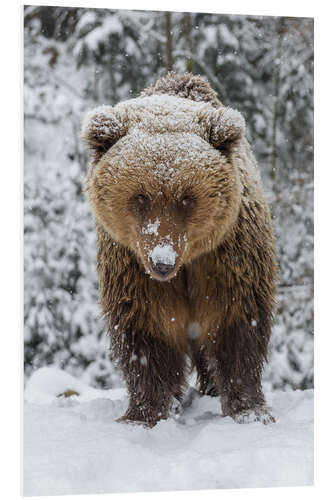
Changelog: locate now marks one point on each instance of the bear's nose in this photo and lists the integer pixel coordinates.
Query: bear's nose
(163, 270)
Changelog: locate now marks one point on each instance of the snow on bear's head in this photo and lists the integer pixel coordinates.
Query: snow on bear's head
(163, 179)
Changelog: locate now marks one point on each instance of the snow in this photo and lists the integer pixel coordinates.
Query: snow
(162, 114)
(194, 330)
(48, 383)
(85, 19)
(164, 105)
(151, 227)
(109, 26)
(74, 446)
(164, 253)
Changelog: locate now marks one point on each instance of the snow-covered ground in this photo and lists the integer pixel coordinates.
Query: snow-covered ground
(73, 445)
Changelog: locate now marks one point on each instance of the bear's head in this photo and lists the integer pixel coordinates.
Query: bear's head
(164, 179)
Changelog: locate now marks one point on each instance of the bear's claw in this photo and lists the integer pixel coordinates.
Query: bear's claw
(254, 415)
(134, 421)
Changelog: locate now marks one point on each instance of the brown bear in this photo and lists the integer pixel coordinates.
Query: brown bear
(186, 257)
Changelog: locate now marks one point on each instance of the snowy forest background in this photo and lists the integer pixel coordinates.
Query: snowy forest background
(77, 58)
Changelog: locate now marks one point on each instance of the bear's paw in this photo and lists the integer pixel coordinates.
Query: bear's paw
(260, 414)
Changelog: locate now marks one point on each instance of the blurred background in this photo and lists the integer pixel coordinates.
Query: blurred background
(77, 58)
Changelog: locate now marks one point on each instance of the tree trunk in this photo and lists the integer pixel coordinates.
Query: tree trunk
(168, 29)
(188, 41)
(277, 73)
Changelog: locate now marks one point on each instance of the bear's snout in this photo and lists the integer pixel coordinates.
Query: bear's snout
(161, 269)
(162, 260)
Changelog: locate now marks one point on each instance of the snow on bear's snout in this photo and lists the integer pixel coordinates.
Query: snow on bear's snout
(161, 246)
(163, 253)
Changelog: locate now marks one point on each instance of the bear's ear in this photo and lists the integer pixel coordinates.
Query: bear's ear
(101, 129)
(224, 126)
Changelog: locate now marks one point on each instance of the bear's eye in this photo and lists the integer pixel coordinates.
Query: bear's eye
(187, 203)
(140, 202)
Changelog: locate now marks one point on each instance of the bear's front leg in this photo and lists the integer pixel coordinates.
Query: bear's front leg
(240, 352)
(154, 374)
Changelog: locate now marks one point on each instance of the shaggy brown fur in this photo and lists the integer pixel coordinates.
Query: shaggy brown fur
(173, 170)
